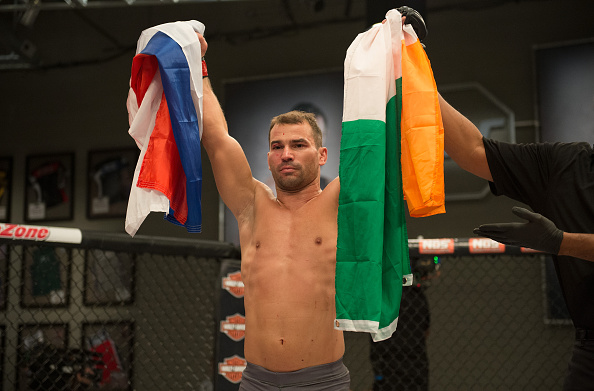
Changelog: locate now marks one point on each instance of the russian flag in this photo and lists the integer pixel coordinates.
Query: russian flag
(165, 114)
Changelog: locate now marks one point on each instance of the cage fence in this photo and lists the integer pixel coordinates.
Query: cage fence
(116, 313)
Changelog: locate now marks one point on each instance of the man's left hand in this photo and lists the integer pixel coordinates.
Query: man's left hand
(414, 18)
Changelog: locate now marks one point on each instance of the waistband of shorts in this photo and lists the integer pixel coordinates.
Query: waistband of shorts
(317, 372)
(584, 334)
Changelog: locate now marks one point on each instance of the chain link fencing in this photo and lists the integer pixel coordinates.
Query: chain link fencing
(116, 313)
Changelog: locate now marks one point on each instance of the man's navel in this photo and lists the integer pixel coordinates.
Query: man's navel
(318, 240)
(257, 245)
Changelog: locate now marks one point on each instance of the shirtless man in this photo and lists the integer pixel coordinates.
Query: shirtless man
(288, 249)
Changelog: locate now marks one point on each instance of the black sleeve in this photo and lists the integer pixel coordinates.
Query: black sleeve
(520, 171)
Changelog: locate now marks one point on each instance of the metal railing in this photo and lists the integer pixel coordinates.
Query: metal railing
(105, 311)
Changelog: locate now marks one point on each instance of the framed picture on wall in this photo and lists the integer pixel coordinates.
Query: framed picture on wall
(109, 278)
(564, 74)
(4, 262)
(109, 179)
(42, 347)
(45, 276)
(112, 344)
(5, 188)
(49, 187)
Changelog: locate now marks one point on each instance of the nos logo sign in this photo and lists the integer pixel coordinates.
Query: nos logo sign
(234, 327)
(232, 368)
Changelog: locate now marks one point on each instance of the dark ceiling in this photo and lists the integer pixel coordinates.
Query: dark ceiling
(56, 33)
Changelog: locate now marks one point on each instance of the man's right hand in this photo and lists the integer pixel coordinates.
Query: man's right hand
(203, 44)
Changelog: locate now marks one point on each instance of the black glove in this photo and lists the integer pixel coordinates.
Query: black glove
(414, 18)
(539, 233)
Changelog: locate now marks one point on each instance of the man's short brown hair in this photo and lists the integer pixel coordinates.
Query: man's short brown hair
(296, 117)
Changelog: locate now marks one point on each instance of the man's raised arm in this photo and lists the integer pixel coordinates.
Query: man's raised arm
(232, 172)
(464, 142)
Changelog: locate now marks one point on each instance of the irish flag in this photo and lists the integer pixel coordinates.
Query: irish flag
(391, 149)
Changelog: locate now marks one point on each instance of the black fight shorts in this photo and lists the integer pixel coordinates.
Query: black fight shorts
(326, 377)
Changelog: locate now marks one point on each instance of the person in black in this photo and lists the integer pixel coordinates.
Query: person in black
(556, 180)
(401, 362)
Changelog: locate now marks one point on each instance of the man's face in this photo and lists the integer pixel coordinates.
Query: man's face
(293, 159)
